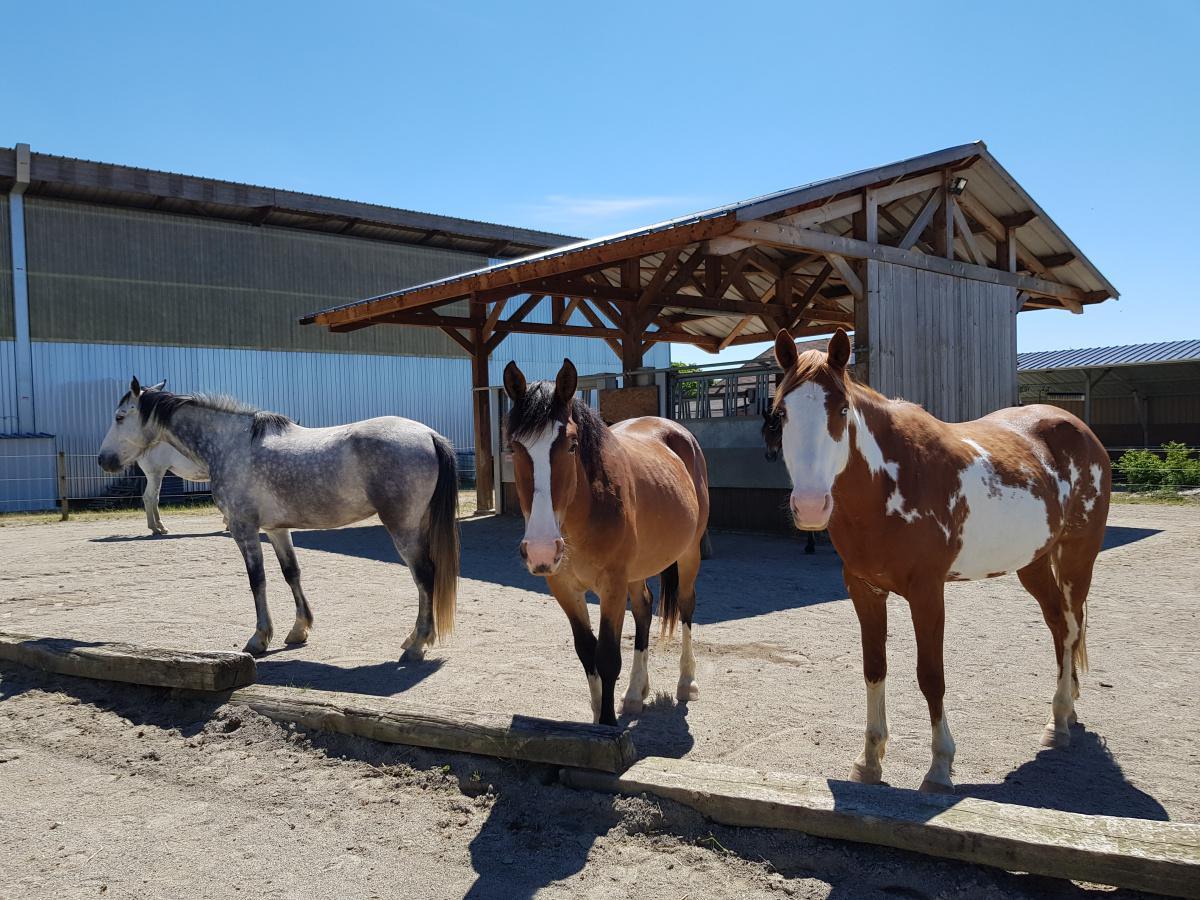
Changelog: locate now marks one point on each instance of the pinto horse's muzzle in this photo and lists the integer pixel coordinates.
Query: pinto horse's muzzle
(811, 512)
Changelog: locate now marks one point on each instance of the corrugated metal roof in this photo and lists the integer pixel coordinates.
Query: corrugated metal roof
(989, 183)
(1121, 355)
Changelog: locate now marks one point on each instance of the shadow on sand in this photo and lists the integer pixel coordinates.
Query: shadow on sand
(173, 536)
(377, 679)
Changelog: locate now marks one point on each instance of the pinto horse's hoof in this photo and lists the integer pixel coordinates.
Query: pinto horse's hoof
(936, 787)
(1059, 740)
(631, 706)
(687, 690)
(861, 774)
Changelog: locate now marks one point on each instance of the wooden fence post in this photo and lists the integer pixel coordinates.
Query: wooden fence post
(63, 505)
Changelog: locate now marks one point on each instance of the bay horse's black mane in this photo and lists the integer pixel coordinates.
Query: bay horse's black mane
(540, 406)
(160, 407)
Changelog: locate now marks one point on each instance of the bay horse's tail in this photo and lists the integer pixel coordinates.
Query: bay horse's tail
(668, 604)
(443, 539)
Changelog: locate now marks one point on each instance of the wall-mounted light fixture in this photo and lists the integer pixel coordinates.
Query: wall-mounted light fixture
(956, 185)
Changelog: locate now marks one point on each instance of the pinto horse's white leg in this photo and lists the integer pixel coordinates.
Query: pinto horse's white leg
(689, 568)
(870, 605)
(687, 688)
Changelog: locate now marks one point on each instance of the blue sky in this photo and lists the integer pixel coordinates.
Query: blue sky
(592, 118)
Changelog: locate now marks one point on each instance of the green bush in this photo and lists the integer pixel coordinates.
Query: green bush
(1176, 468)
(686, 388)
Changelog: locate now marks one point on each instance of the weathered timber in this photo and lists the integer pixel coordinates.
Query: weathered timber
(487, 734)
(189, 669)
(1163, 857)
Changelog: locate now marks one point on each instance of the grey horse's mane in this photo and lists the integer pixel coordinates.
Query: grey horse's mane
(160, 407)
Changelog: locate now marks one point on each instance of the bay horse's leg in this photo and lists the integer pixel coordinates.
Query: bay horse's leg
(613, 595)
(154, 480)
(571, 596)
(927, 603)
(689, 568)
(639, 678)
(248, 542)
(870, 605)
(281, 540)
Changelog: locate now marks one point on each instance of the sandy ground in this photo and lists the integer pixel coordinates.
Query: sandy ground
(122, 787)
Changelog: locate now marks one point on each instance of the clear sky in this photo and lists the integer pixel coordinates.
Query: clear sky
(592, 118)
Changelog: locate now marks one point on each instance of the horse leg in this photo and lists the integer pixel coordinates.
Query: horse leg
(413, 548)
(248, 542)
(154, 480)
(613, 596)
(689, 568)
(571, 597)
(639, 678)
(927, 604)
(810, 545)
(870, 605)
(281, 540)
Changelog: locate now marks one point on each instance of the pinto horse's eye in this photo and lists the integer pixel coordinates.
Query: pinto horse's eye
(845, 410)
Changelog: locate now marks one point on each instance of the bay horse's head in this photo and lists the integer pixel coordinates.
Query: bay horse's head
(544, 429)
(814, 402)
(130, 435)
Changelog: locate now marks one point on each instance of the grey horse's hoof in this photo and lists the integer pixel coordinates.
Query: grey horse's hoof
(413, 654)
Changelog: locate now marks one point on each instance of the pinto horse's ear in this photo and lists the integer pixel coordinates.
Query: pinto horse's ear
(839, 350)
(514, 382)
(134, 387)
(785, 350)
(566, 383)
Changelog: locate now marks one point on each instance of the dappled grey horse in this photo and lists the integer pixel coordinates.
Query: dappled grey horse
(270, 474)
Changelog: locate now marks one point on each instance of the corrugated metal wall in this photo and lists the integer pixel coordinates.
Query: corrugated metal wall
(101, 274)
(8, 388)
(947, 343)
(6, 286)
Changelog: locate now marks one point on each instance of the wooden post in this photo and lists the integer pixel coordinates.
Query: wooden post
(943, 223)
(484, 482)
(631, 352)
(63, 504)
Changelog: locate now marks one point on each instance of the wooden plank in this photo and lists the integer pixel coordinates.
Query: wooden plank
(921, 222)
(819, 242)
(968, 239)
(1163, 857)
(847, 273)
(392, 721)
(189, 669)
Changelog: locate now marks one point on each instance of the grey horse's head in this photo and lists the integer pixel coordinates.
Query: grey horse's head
(129, 436)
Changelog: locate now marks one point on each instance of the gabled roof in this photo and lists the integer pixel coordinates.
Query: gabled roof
(1122, 355)
(1050, 269)
(127, 186)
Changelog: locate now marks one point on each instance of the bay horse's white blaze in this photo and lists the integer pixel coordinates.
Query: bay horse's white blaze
(542, 545)
(1005, 527)
(913, 502)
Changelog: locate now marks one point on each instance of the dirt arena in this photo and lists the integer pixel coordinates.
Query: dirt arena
(121, 791)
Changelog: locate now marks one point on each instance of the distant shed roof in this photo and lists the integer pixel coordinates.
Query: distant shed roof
(128, 186)
(1121, 355)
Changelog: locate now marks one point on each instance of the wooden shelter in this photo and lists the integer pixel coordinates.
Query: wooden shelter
(927, 260)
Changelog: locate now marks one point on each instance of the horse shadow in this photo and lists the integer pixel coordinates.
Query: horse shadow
(384, 679)
(661, 729)
(1121, 535)
(173, 536)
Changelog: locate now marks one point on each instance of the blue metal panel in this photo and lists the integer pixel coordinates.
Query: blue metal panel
(1122, 355)
(8, 388)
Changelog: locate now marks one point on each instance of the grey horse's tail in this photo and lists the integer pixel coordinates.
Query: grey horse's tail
(668, 603)
(443, 539)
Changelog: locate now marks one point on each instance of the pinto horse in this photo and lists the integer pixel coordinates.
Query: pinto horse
(605, 509)
(772, 435)
(912, 502)
(270, 474)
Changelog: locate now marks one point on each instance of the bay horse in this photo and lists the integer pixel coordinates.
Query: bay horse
(605, 509)
(270, 474)
(912, 502)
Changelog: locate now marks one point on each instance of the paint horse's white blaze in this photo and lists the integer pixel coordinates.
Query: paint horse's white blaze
(1005, 528)
(542, 545)
(813, 456)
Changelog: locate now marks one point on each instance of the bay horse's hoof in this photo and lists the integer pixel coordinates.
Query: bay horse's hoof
(860, 774)
(297, 635)
(687, 690)
(935, 787)
(1059, 740)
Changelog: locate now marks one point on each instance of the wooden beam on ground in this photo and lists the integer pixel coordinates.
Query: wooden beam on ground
(192, 670)
(602, 747)
(820, 242)
(1162, 857)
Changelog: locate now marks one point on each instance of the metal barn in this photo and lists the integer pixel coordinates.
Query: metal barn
(928, 260)
(108, 270)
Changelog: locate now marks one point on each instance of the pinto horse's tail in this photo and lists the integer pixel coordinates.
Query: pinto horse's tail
(443, 539)
(668, 605)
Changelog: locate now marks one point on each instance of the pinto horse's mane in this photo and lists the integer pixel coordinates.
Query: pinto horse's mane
(810, 365)
(540, 406)
(160, 407)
